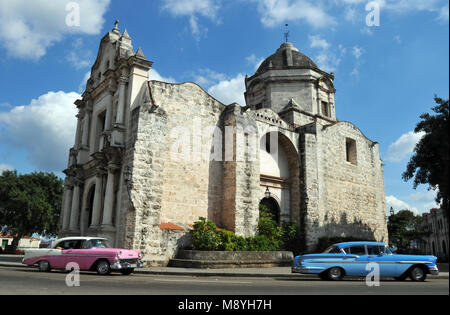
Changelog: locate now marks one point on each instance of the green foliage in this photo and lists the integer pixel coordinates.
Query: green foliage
(430, 161)
(30, 203)
(292, 240)
(404, 228)
(205, 236)
(270, 236)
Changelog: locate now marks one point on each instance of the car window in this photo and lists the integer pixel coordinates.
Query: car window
(70, 244)
(333, 250)
(374, 249)
(356, 250)
(95, 244)
(378, 250)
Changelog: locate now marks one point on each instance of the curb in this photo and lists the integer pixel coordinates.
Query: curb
(212, 273)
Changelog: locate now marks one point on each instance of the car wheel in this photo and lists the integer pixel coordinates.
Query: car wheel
(44, 266)
(127, 271)
(335, 274)
(103, 268)
(417, 274)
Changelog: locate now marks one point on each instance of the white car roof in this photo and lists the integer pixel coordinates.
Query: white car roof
(79, 238)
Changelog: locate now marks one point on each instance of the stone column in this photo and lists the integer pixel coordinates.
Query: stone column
(109, 198)
(67, 207)
(109, 109)
(86, 127)
(97, 207)
(78, 133)
(122, 98)
(75, 209)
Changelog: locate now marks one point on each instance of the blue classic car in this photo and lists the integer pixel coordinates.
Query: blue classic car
(352, 258)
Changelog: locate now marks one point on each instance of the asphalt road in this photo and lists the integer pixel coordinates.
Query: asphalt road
(28, 281)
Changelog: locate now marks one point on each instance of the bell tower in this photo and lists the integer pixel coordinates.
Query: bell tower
(292, 85)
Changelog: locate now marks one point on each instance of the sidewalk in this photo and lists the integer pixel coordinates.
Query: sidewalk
(275, 272)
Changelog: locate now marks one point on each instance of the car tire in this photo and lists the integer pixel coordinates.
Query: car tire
(335, 274)
(103, 268)
(44, 266)
(127, 272)
(417, 273)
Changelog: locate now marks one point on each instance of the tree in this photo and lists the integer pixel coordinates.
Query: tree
(29, 204)
(430, 161)
(405, 228)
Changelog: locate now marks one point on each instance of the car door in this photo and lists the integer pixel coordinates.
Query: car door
(71, 252)
(385, 261)
(358, 266)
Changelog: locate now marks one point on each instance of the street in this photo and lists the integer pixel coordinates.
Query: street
(28, 281)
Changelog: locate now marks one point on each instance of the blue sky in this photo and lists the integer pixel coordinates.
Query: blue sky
(386, 74)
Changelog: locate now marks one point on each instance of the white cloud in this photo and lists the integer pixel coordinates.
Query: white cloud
(78, 56)
(5, 167)
(29, 28)
(397, 205)
(255, 61)
(207, 8)
(443, 14)
(83, 82)
(154, 75)
(419, 202)
(401, 7)
(230, 91)
(193, 9)
(403, 147)
(276, 12)
(44, 130)
(357, 52)
(317, 42)
(327, 59)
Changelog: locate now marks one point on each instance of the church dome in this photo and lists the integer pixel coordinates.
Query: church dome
(287, 56)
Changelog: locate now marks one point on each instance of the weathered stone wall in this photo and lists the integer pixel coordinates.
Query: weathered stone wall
(350, 201)
(169, 151)
(241, 172)
(192, 183)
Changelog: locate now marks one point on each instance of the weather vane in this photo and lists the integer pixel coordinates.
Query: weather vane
(286, 35)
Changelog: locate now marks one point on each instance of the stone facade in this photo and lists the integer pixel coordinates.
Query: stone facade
(151, 157)
(436, 243)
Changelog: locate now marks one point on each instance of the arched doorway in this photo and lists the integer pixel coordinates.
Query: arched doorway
(280, 172)
(273, 207)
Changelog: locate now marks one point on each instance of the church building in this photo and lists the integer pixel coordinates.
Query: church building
(152, 157)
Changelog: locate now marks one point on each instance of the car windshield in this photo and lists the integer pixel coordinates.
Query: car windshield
(96, 244)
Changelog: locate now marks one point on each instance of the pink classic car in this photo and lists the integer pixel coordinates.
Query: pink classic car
(90, 253)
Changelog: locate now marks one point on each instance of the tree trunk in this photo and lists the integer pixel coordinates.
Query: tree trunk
(15, 243)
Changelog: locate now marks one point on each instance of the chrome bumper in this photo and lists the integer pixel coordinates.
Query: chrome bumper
(434, 270)
(120, 264)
